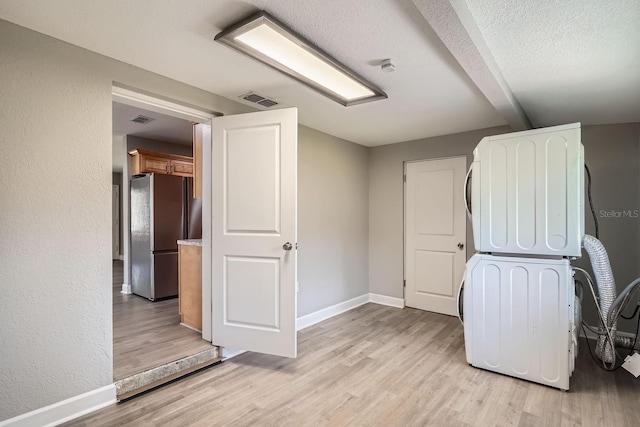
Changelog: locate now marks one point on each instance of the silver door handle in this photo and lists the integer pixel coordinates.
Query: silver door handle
(287, 246)
(460, 246)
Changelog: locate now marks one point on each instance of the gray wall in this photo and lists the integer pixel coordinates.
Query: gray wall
(386, 201)
(55, 269)
(332, 220)
(612, 153)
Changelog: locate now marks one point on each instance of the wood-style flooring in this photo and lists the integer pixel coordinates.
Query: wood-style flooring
(147, 334)
(377, 365)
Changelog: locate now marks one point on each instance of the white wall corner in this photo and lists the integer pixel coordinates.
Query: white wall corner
(327, 313)
(65, 410)
(385, 300)
(126, 289)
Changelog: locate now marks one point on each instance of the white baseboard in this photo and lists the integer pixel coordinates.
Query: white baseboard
(385, 300)
(66, 410)
(126, 289)
(329, 312)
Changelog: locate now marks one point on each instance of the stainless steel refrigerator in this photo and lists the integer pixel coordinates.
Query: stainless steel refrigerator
(163, 211)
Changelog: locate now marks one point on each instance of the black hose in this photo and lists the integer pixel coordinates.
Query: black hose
(635, 339)
(633, 315)
(593, 212)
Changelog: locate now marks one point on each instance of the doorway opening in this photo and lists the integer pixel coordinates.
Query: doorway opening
(435, 229)
(149, 330)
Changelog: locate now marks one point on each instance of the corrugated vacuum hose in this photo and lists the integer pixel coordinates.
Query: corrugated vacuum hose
(607, 293)
(610, 304)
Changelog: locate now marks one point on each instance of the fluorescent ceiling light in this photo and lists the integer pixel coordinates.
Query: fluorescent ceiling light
(264, 38)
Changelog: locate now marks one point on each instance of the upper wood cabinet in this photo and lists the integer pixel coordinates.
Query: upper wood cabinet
(144, 161)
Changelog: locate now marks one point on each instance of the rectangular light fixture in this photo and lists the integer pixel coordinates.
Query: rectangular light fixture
(263, 38)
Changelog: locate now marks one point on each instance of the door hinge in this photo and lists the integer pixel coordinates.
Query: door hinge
(404, 283)
(404, 177)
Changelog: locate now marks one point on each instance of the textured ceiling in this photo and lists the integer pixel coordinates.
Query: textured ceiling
(429, 94)
(567, 61)
(564, 61)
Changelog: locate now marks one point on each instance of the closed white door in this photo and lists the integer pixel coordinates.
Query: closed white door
(254, 179)
(435, 233)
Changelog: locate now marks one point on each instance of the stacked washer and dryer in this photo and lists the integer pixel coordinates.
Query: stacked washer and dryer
(521, 313)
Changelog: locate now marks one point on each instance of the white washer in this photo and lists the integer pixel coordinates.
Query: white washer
(519, 317)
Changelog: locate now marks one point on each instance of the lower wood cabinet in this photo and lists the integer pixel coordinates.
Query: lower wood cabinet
(190, 285)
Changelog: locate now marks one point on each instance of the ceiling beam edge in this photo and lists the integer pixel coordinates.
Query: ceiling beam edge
(454, 24)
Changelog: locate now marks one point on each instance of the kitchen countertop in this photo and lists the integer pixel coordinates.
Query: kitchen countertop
(192, 242)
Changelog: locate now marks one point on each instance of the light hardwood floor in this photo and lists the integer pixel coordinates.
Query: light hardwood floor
(377, 365)
(147, 334)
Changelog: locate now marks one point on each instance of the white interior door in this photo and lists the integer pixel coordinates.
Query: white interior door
(435, 233)
(115, 221)
(254, 180)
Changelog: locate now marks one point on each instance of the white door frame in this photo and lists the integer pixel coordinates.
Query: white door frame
(404, 216)
(115, 219)
(136, 99)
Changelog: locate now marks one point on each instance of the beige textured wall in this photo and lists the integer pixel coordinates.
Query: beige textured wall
(55, 214)
(55, 217)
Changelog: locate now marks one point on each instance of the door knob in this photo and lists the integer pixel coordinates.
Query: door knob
(287, 246)
(460, 246)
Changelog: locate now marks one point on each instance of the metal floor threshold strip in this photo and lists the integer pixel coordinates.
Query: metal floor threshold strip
(154, 377)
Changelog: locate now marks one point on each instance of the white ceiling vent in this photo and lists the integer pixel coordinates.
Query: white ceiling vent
(259, 99)
(143, 120)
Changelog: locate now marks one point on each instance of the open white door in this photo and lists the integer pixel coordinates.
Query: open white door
(254, 182)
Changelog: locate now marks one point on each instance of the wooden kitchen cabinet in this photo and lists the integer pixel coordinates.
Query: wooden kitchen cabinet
(181, 168)
(145, 161)
(201, 133)
(190, 284)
